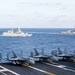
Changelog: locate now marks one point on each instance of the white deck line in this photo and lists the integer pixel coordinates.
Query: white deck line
(49, 73)
(5, 69)
(60, 66)
(3, 73)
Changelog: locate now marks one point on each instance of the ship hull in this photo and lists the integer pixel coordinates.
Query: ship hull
(17, 35)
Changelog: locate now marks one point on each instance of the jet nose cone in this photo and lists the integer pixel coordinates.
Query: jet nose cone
(33, 62)
(57, 60)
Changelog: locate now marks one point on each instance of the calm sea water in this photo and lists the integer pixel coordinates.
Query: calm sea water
(41, 38)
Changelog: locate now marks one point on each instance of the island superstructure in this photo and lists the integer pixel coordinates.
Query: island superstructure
(17, 33)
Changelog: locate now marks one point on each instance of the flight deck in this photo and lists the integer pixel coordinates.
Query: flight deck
(40, 68)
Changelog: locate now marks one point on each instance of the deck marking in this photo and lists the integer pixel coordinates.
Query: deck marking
(5, 69)
(60, 66)
(53, 63)
(41, 70)
(70, 67)
(3, 73)
(25, 65)
(49, 73)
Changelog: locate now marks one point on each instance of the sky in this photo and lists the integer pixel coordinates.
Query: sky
(37, 13)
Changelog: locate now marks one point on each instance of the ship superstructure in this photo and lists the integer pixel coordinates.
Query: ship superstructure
(17, 33)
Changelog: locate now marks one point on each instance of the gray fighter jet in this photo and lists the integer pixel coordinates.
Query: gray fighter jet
(19, 59)
(62, 55)
(42, 57)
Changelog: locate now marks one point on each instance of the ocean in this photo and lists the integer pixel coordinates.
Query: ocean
(42, 38)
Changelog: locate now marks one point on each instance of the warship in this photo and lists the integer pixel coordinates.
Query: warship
(68, 31)
(18, 33)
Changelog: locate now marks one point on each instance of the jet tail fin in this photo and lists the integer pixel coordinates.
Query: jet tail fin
(31, 54)
(42, 52)
(59, 51)
(21, 53)
(8, 56)
(36, 52)
(65, 51)
(54, 53)
(14, 55)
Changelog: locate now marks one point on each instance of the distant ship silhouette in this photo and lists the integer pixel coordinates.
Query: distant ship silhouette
(17, 33)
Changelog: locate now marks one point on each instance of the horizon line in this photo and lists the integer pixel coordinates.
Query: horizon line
(36, 28)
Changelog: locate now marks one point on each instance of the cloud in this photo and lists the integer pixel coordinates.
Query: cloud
(47, 4)
(40, 3)
(11, 15)
(60, 16)
(42, 12)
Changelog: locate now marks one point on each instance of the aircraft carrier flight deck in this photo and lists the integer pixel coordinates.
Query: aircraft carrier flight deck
(40, 68)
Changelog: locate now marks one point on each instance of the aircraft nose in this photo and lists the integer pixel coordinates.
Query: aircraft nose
(56, 59)
(33, 62)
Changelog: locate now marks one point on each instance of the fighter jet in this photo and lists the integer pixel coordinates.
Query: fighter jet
(19, 59)
(63, 55)
(42, 57)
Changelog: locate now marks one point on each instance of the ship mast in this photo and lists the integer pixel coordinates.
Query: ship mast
(12, 30)
(18, 29)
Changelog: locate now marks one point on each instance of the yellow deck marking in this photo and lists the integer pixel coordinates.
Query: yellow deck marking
(25, 64)
(49, 73)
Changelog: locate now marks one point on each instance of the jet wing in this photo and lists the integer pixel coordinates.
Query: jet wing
(64, 55)
(21, 59)
(40, 56)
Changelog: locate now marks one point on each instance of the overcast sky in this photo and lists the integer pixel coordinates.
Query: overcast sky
(37, 13)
